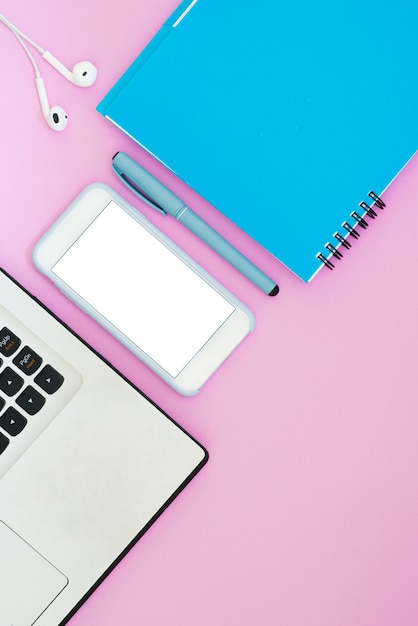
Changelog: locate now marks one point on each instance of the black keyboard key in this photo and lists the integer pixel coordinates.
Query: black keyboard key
(30, 400)
(2, 403)
(9, 342)
(12, 421)
(27, 360)
(4, 442)
(10, 382)
(49, 379)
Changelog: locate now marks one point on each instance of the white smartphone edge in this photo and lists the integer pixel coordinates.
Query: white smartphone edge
(74, 220)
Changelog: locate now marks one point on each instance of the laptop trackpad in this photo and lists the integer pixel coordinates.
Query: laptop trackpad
(28, 582)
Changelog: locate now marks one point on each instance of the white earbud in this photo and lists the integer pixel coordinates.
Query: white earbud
(54, 116)
(84, 73)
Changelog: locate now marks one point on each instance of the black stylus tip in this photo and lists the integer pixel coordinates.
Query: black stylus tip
(274, 291)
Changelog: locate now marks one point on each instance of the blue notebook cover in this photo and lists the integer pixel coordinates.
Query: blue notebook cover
(283, 115)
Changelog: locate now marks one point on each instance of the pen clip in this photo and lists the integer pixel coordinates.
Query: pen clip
(137, 191)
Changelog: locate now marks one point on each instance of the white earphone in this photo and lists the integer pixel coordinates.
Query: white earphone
(54, 116)
(83, 74)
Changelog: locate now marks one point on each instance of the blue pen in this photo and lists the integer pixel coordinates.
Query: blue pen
(157, 196)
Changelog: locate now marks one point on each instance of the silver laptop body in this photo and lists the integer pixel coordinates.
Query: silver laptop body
(87, 463)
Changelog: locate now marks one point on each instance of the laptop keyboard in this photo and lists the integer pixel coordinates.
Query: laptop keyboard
(35, 384)
(28, 397)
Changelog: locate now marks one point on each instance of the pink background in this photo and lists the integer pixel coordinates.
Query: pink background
(307, 512)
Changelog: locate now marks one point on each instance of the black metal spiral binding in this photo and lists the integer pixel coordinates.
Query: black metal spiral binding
(351, 231)
(334, 251)
(361, 222)
(325, 261)
(346, 244)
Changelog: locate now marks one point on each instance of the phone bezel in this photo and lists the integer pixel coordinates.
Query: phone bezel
(73, 222)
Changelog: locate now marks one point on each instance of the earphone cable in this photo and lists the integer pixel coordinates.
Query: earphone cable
(14, 29)
(18, 36)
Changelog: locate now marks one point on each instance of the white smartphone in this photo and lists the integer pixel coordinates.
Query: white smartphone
(115, 265)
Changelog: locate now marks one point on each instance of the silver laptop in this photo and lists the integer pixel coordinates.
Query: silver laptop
(87, 463)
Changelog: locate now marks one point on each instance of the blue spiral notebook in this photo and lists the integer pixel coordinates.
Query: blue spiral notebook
(291, 118)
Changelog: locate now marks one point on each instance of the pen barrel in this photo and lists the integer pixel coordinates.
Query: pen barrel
(215, 241)
(145, 185)
(155, 194)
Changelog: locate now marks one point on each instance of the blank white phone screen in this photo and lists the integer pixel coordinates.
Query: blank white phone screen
(143, 289)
